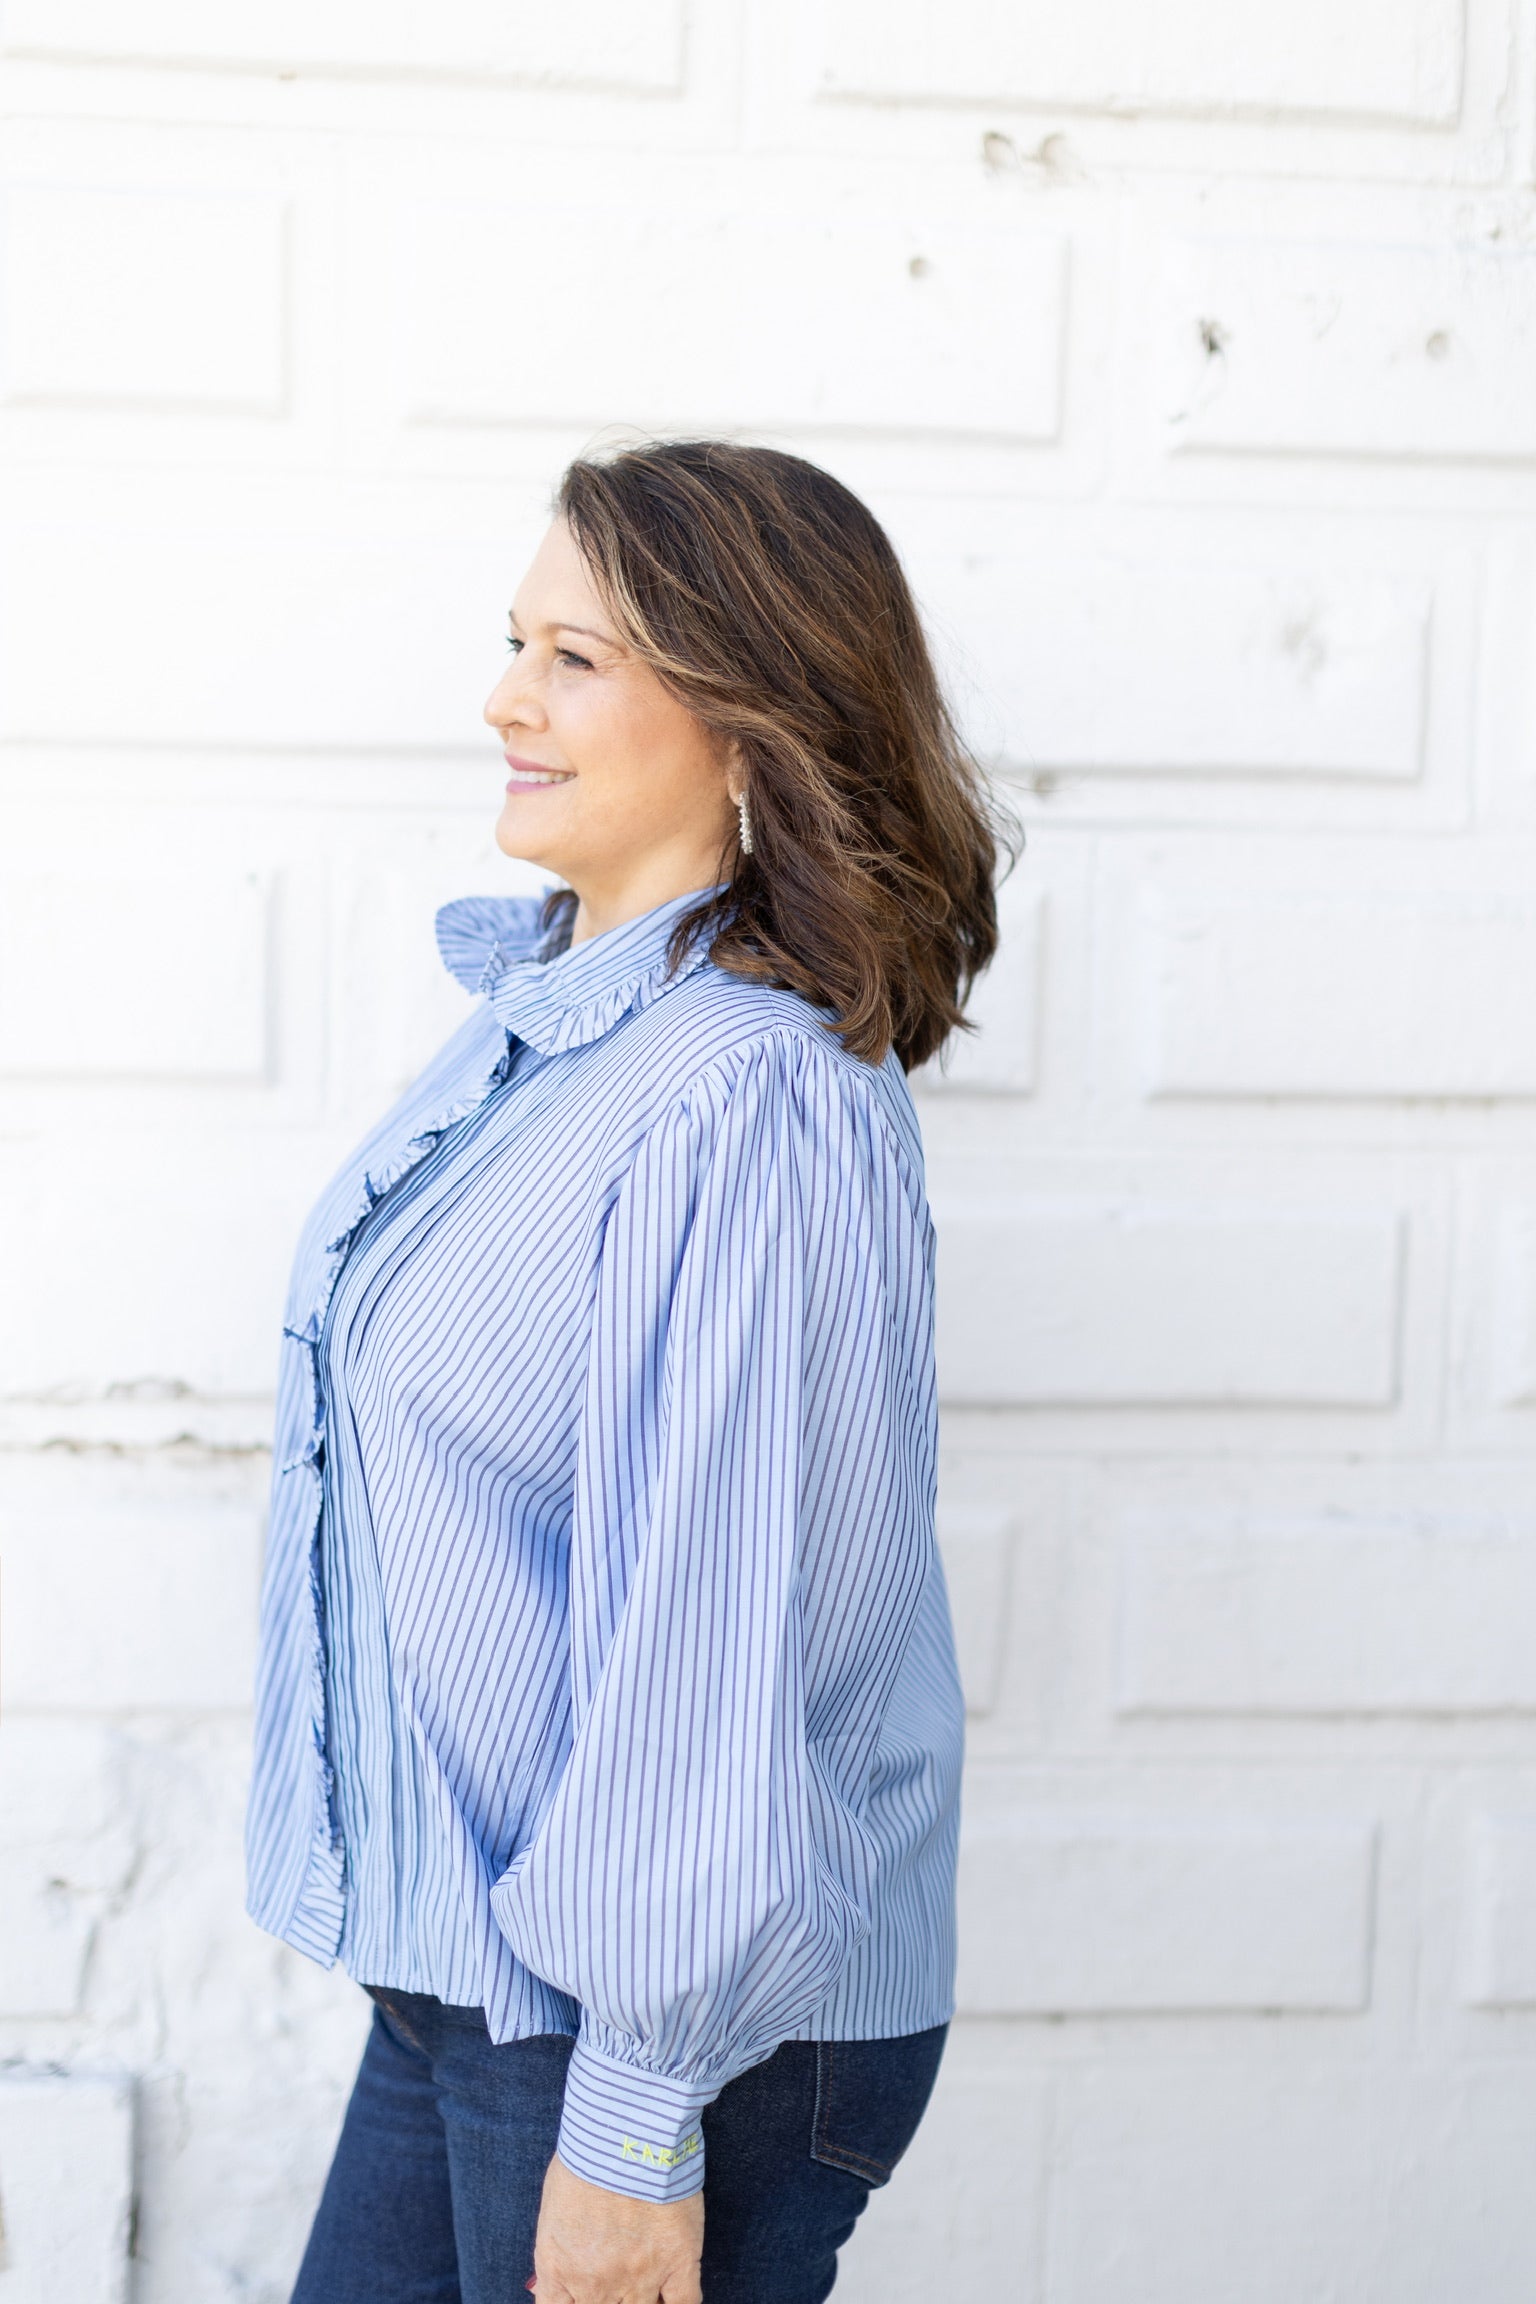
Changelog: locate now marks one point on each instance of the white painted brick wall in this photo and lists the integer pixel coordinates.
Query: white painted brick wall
(1076, 1301)
(1334, 2180)
(1397, 58)
(1336, 346)
(633, 44)
(188, 286)
(65, 2148)
(1499, 1966)
(1189, 352)
(1152, 1909)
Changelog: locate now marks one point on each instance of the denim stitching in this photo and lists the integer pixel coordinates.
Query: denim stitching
(823, 2148)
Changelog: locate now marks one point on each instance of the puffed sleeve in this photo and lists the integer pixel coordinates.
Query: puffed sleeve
(753, 1526)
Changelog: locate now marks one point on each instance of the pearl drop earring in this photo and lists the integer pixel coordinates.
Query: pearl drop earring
(745, 821)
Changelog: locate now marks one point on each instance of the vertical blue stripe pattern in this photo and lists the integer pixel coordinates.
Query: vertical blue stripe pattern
(606, 1677)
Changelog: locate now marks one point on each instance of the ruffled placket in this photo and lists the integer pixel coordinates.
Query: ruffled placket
(497, 948)
(323, 1898)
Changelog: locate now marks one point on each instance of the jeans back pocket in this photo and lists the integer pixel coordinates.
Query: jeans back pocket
(870, 2096)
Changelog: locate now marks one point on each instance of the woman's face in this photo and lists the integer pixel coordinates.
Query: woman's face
(613, 785)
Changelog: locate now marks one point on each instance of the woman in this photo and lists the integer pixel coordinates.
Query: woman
(608, 1724)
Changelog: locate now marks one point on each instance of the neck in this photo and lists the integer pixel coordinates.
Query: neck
(603, 905)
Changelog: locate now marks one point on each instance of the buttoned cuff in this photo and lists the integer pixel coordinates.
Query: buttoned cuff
(630, 2130)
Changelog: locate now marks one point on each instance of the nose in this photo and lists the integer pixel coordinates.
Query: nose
(514, 701)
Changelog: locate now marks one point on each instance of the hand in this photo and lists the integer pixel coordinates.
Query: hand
(601, 2247)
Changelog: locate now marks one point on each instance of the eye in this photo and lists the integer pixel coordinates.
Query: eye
(569, 656)
(514, 643)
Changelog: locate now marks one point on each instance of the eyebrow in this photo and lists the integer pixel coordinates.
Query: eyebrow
(560, 624)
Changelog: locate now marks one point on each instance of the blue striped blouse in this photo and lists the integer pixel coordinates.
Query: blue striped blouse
(606, 1678)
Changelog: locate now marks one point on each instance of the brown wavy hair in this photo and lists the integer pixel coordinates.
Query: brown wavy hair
(771, 602)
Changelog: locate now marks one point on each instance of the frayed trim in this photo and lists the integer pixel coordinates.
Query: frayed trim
(327, 1837)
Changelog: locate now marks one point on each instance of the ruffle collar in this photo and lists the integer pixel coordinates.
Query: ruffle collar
(497, 945)
(555, 1000)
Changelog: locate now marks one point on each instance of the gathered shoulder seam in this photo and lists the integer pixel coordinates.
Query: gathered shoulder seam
(850, 1074)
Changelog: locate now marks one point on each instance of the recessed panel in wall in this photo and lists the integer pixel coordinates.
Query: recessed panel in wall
(1406, 2175)
(209, 625)
(1160, 666)
(1343, 348)
(1259, 993)
(1096, 1911)
(1498, 1920)
(149, 976)
(119, 296)
(627, 44)
(1509, 1290)
(126, 1586)
(1076, 1303)
(1377, 59)
(1331, 1618)
(740, 320)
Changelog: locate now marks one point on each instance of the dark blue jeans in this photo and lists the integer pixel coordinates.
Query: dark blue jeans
(433, 2196)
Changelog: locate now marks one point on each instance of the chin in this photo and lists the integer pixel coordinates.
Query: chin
(515, 836)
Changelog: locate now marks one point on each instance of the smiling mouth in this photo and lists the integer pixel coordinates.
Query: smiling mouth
(525, 774)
